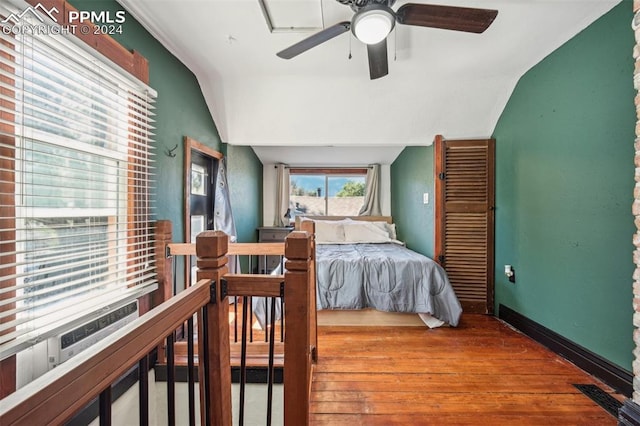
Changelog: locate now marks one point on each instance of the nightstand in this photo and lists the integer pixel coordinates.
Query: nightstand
(271, 234)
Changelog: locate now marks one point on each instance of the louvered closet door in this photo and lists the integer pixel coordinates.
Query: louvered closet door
(464, 218)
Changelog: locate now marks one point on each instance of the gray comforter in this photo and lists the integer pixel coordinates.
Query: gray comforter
(387, 277)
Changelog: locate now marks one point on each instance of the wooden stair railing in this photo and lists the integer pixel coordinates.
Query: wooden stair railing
(299, 316)
(238, 249)
(56, 396)
(214, 370)
(257, 350)
(300, 346)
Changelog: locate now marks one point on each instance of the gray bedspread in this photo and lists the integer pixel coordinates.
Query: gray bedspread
(386, 277)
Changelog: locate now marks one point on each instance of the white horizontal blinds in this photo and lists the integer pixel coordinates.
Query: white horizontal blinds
(7, 187)
(76, 176)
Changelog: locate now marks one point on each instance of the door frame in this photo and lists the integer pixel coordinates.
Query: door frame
(189, 146)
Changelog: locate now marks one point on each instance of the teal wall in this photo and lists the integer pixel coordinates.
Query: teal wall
(181, 111)
(564, 189)
(244, 172)
(411, 176)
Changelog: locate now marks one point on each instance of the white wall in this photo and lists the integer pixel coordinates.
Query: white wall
(269, 191)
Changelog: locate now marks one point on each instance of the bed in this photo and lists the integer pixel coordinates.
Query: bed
(360, 265)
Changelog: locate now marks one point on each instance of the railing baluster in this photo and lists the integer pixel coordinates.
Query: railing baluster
(175, 275)
(203, 365)
(191, 373)
(272, 345)
(243, 361)
(281, 319)
(105, 407)
(267, 320)
(171, 382)
(143, 394)
(250, 317)
(282, 303)
(235, 319)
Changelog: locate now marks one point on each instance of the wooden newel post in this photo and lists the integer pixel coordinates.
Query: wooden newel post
(163, 230)
(298, 345)
(310, 227)
(163, 234)
(213, 344)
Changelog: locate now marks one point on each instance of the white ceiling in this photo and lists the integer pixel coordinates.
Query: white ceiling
(440, 82)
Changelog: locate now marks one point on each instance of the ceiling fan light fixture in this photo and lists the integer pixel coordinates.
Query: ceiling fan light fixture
(373, 23)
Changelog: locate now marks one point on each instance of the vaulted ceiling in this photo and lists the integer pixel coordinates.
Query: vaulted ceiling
(440, 81)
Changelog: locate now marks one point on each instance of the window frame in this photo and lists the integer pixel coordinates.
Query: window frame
(133, 64)
(328, 172)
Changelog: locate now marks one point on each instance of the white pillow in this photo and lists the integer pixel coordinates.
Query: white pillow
(389, 228)
(364, 232)
(329, 232)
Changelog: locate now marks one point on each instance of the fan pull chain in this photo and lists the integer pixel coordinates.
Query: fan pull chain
(350, 56)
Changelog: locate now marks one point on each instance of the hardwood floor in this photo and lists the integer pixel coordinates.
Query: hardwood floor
(481, 373)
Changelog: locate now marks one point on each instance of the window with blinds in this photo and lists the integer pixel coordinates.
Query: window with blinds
(76, 177)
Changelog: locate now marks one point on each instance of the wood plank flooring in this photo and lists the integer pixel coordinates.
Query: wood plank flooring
(481, 373)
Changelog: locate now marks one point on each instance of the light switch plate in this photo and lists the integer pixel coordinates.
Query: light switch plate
(425, 198)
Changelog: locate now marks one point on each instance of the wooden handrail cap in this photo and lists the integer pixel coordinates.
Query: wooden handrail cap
(212, 244)
(297, 245)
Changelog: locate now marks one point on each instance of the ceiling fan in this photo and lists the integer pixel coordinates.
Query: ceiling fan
(374, 19)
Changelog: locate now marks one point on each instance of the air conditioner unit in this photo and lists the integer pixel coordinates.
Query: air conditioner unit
(64, 346)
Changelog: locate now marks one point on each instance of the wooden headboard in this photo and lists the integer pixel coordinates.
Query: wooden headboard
(387, 219)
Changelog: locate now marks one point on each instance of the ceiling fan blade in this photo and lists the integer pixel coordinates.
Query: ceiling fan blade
(446, 17)
(314, 40)
(378, 65)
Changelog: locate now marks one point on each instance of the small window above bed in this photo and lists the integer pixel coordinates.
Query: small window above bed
(327, 191)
